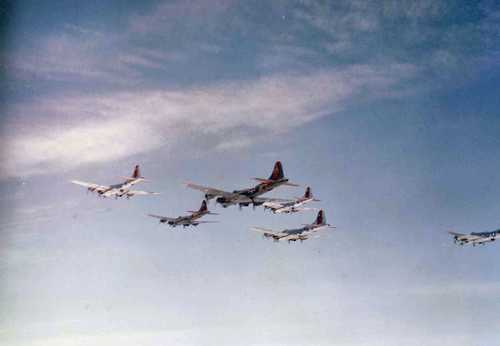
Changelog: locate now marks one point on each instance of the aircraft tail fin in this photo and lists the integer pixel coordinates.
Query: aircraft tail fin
(203, 206)
(277, 172)
(321, 218)
(137, 173)
(309, 195)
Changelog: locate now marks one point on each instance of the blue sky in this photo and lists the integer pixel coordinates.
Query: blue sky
(388, 110)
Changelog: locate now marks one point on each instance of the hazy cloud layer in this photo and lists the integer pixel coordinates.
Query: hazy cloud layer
(310, 59)
(74, 130)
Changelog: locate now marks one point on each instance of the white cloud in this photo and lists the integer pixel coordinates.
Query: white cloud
(73, 131)
(86, 55)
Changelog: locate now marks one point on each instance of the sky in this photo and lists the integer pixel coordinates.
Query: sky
(387, 109)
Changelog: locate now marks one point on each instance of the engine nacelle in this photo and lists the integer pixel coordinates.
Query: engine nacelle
(222, 200)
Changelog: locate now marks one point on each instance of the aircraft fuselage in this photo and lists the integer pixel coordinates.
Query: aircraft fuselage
(245, 197)
(121, 189)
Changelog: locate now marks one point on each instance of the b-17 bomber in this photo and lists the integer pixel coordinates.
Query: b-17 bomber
(291, 206)
(245, 197)
(302, 233)
(475, 238)
(188, 220)
(117, 190)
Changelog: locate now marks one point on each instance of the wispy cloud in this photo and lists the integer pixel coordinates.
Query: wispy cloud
(83, 56)
(86, 129)
(166, 16)
(348, 43)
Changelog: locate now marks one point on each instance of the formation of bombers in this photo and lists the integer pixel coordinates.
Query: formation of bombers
(253, 196)
(241, 198)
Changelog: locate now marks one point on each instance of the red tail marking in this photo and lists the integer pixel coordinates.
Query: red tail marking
(203, 206)
(308, 194)
(277, 171)
(137, 172)
(319, 218)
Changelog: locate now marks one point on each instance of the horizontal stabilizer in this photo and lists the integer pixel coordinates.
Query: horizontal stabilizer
(82, 183)
(268, 181)
(132, 179)
(196, 211)
(262, 180)
(306, 208)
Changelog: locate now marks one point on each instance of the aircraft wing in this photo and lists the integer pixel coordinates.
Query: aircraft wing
(275, 205)
(305, 209)
(205, 221)
(481, 240)
(162, 217)
(208, 190)
(465, 237)
(141, 193)
(278, 201)
(268, 232)
(263, 230)
(91, 186)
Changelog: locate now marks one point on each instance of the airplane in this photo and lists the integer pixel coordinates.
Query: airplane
(301, 234)
(188, 220)
(292, 206)
(475, 238)
(118, 190)
(245, 197)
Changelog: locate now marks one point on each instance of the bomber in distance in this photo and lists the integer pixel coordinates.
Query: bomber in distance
(118, 190)
(302, 233)
(245, 197)
(188, 220)
(475, 238)
(291, 206)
